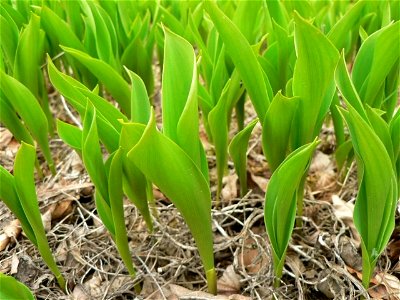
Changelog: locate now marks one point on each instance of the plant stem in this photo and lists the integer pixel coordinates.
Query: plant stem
(300, 197)
(211, 276)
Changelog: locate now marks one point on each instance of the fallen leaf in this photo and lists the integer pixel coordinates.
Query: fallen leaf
(388, 287)
(13, 229)
(229, 283)
(261, 182)
(229, 191)
(348, 252)
(323, 170)
(252, 258)
(182, 292)
(5, 138)
(62, 209)
(14, 264)
(4, 241)
(344, 211)
(79, 293)
(46, 218)
(295, 264)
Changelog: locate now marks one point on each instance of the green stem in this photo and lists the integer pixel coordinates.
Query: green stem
(240, 111)
(152, 202)
(300, 197)
(278, 265)
(211, 277)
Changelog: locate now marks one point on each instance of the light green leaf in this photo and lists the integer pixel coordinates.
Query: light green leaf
(140, 103)
(111, 79)
(243, 57)
(10, 119)
(314, 85)
(179, 97)
(346, 87)
(9, 39)
(91, 153)
(9, 196)
(219, 119)
(238, 151)
(136, 186)
(13, 289)
(280, 202)
(25, 187)
(374, 61)
(376, 200)
(25, 104)
(277, 128)
(117, 210)
(59, 30)
(187, 189)
(71, 135)
(340, 32)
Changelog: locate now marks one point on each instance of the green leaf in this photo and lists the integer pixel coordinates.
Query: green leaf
(157, 156)
(179, 97)
(9, 39)
(117, 210)
(140, 103)
(374, 61)
(218, 120)
(77, 95)
(25, 187)
(376, 201)
(71, 135)
(136, 186)
(30, 55)
(91, 153)
(10, 119)
(105, 36)
(280, 202)
(9, 196)
(25, 104)
(238, 151)
(277, 127)
(314, 85)
(111, 79)
(381, 128)
(243, 57)
(346, 87)
(137, 58)
(13, 289)
(59, 30)
(340, 32)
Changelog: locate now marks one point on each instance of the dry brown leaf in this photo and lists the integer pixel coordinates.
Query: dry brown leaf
(61, 253)
(295, 264)
(11, 231)
(5, 137)
(349, 253)
(95, 287)
(229, 283)
(261, 182)
(62, 209)
(251, 258)
(323, 169)
(4, 241)
(388, 286)
(229, 191)
(181, 292)
(46, 218)
(14, 264)
(344, 211)
(79, 293)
